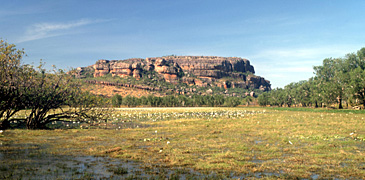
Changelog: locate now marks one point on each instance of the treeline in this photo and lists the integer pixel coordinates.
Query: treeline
(339, 81)
(47, 96)
(179, 101)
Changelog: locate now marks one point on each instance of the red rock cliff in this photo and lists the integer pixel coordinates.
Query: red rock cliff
(227, 72)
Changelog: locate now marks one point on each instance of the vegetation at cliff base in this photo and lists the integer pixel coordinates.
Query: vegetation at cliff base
(176, 101)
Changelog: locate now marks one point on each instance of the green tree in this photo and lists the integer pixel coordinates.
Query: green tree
(143, 100)
(218, 100)
(331, 76)
(357, 85)
(49, 91)
(274, 97)
(169, 101)
(210, 101)
(232, 101)
(183, 101)
(316, 93)
(290, 94)
(117, 100)
(263, 99)
(303, 92)
(131, 101)
(14, 82)
(248, 100)
(150, 100)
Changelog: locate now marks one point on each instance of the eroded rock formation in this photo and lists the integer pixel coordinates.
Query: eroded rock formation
(212, 66)
(227, 72)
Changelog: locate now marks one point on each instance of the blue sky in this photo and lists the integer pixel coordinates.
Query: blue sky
(283, 39)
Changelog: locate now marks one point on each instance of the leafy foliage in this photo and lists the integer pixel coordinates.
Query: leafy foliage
(336, 81)
(177, 101)
(14, 80)
(47, 96)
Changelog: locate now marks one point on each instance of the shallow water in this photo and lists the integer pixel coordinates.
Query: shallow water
(31, 161)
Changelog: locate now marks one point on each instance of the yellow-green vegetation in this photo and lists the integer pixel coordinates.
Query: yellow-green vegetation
(236, 142)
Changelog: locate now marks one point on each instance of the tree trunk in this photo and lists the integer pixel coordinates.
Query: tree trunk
(36, 124)
(340, 103)
(33, 123)
(362, 96)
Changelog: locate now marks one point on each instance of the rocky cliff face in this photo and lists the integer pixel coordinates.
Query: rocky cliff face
(136, 67)
(212, 66)
(227, 72)
(130, 67)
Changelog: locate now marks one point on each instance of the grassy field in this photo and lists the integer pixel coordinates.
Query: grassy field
(194, 143)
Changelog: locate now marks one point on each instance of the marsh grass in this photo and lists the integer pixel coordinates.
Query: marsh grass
(213, 142)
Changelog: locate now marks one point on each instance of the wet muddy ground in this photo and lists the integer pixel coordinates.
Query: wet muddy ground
(31, 161)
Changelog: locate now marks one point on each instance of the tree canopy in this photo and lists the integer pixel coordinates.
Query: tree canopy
(47, 95)
(177, 101)
(336, 81)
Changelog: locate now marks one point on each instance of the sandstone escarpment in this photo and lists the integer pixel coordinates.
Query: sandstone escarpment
(130, 67)
(168, 69)
(227, 72)
(137, 67)
(212, 63)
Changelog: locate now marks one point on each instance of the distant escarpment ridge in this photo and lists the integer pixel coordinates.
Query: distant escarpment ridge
(199, 71)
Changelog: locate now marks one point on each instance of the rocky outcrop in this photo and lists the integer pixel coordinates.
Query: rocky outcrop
(169, 70)
(130, 67)
(212, 66)
(227, 72)
(257, 82)
(101, 67)
(136, 67)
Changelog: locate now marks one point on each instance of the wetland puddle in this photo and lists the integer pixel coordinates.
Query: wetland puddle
(31, 161)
